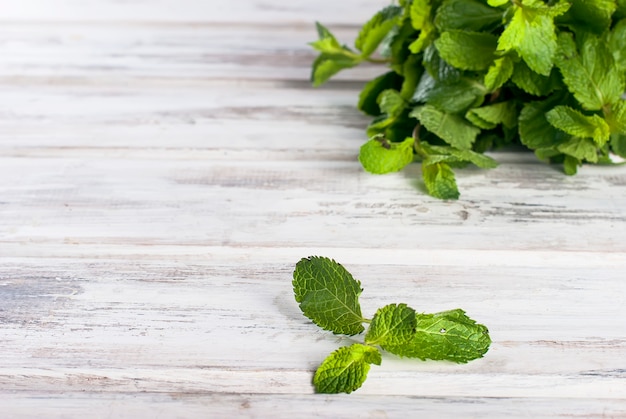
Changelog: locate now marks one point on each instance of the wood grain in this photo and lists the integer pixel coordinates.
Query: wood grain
(163, 168)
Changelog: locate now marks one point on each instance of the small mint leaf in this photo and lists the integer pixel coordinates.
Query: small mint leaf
(379, 156)
(451, 128)
(439, 180)
(575, 123)
(375, 30)
(345, 370)
(393, 324)
(328, 295)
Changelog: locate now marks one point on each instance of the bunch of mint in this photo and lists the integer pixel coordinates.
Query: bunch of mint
(468, 76)
(329, 296)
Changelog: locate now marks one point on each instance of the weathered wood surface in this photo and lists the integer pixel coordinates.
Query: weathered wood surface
(163, 165)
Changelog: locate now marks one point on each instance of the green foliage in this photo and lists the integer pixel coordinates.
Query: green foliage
(396, 328)
(472, 75)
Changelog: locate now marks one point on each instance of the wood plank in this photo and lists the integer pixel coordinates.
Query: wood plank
(239, 13)
(253, 405)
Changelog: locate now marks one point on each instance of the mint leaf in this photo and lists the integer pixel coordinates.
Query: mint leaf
(531, 33)
(454, 155)
(570, 165)
(470, 15)
(439, 180)
(592, 75)
(618, 144)
(490, 116)
(616, 117)
(369, 95)
(327, 65)
(499, 72)
(333, 58)
(534, 129)
(391, 102)
(592, 16)
(412, 71)
(375, 30)
(453, 129)
(575, 123)
(393, 324)
(621, 9)
(467, 50)
(533, 83)
(420, 13)
(345, 370)
(617, 44)
(580, 148)
(451, 97)
(328, 295)
(380, 156)
(327, 42)
(497, 3)
(449, 335)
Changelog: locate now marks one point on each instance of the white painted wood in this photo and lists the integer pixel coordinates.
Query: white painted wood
(163, 168)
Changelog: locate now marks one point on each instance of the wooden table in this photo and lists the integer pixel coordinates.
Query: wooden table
(163, 166)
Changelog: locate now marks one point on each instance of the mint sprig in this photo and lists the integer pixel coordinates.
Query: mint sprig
(476, 75)
(328, 295)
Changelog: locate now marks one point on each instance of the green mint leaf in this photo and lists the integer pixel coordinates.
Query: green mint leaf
(616, 117)
(453, 129)
(467, 50)
(368, 98)
(591, 76)
(618, 144)
(393, 325)
(497, 3)
(420, 13)
(333, 58)
(534, 129)
(469, 156)
(621, 9)
(575, 123)
(391, 102)
(450, 335)
(412, 71)
(328, 295)
(327, 41)
(440, 182)
(531, 32)
(345, 370)
(375, 30)
(592, 16)
(426, 36)
(327, 65)
(379, 156)
(570, 165)
(499, 72)
(438, 68)
(617, 44)
(393, 129)
(490, 116)
(455, 96)
(580, 148)
(533, 83)
(470, 15)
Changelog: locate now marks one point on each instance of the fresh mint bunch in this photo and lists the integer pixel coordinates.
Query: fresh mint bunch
(329, 296)
(469, 76)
